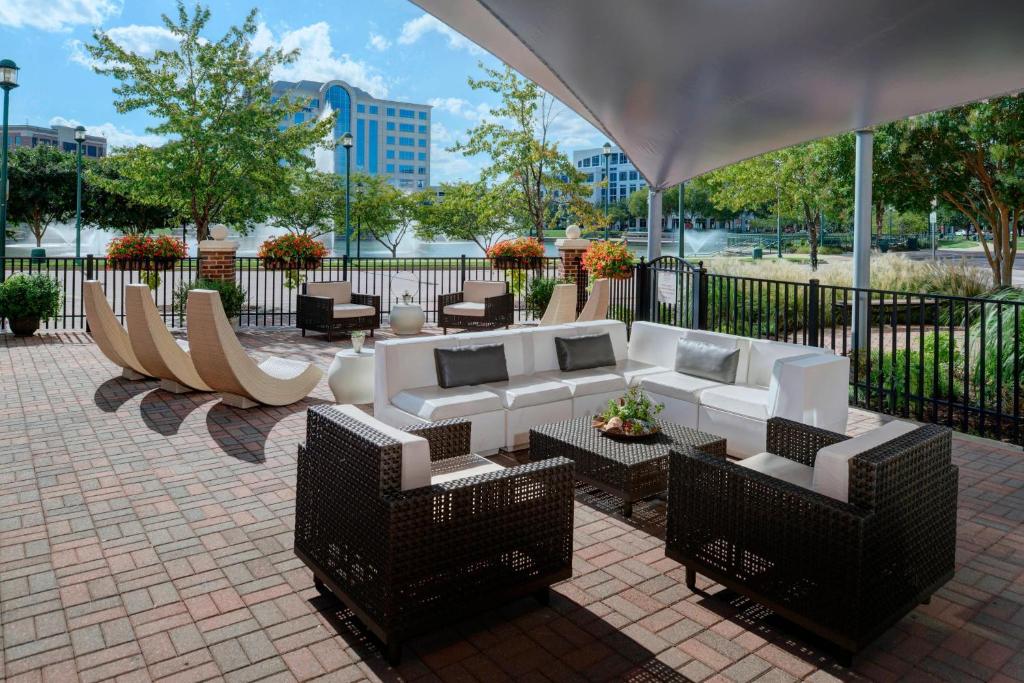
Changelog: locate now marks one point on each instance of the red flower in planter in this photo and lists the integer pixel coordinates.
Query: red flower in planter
(292, 251)
(143, 251)
(608, 259)
(521, 252)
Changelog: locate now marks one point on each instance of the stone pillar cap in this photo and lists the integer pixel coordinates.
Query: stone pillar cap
(567, 244)
(218, 245)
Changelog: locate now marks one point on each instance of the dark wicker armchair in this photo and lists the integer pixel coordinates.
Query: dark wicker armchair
(409, 561)
(481, 305)
(844, 571)
(331, 307)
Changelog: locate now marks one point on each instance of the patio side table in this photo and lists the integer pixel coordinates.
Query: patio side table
(350, 376)
(628, 469)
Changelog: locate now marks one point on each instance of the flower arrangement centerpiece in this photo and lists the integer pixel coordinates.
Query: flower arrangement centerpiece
(521, 252)
(611, 259)
(631, 416)
(144, 252)
(292, 252)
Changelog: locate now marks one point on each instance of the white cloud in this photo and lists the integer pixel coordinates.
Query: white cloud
(57, 15)
(140, 40)
(115, 135)
(461, 107)
(378, 42)
(317, 60)
(414, 29)
(448, 166)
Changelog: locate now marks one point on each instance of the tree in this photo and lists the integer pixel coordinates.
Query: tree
(973, 158)
(227, 158)
(313, 204)
(468, 211)
(618, 212)
(516, 142)
(104, 207)
(42, 188)
(381, 210)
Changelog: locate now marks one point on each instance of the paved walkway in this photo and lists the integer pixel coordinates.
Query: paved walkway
(147, 536)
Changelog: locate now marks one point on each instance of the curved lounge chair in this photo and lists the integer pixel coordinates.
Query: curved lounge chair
(160, 353)
(225, 366)
(562, 307)
(597, 303)
(108, 333)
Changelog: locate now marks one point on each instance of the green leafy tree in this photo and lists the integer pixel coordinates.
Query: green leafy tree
(104, 206)
(314, 202)
(42, 188)
(381, 210)
(516, 141)
(972, 157)
(226, 159)
(470, 211)
(618, 213)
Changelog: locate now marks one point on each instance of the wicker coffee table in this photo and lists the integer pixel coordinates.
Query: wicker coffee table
(631, 470)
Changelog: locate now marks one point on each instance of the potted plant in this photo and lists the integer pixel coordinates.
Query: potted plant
(27, 299)
(521, 252)
(165, 251)
(633, 415)
(611, 259)
(232, 297)
(148, 254)
(292, 252)
(128, 251)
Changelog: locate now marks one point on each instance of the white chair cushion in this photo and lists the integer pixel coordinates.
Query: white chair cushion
(434, 403)
(415, 449)
(475, 291)
(529, 390)
(677, 385)
(460, 467)
(283, 368)
(832, 464)
(465, 308)
(780, 468)
(353, 310)
(763, 355)
(737, 398)
(341, 292)
(634, 371)
(591, 381)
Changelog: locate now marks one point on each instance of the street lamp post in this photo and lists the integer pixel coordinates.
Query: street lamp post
(346, 142)
(778, 212)
(682, 221)
(607, 187)
(8, 81)
(79, 139)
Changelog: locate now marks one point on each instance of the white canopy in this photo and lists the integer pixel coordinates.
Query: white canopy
(687, 86)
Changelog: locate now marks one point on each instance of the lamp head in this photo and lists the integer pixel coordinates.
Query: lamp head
(607, 148)
(346, 140)
(8, 74)
(79, 133)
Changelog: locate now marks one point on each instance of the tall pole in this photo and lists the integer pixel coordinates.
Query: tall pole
(778, 211)
(3, 188)
(348, 207)
(682, 221)
(862, 235)
(607, 191)
(78, 204)
(653, 223)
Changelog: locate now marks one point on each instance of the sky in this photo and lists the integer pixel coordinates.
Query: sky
(387, 47)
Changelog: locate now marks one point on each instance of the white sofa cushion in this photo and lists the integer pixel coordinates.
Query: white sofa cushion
(656, 344)
(763, 355)
(466, 308)
(737, 398)
(475, 291)
(353, 310)
(408, 363)
(633, 371)
(540, 351)
(591, 381)
(416, 470)
(514, 342)
(460, 467)
(677, 385)
(832, 464)
(529, 390)
(780, 468)
(615, 329)
(341, 292)
(434, 403)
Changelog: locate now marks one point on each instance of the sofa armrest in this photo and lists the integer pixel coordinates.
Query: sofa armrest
(313, 309)
(499, 307)
(811, 389)
(797, 441)
(447, 438)
(448, 299)
(367, 300)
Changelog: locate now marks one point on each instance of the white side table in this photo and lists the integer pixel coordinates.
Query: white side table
(407, 318)
(350, 376)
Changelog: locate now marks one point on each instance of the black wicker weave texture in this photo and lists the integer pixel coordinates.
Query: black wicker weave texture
(499, 311)
(316, 313)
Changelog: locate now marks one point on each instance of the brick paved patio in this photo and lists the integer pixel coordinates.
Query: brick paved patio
(147, 536)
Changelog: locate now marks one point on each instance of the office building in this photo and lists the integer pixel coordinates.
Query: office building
(623, 178)
(390, 138)
(61, 137)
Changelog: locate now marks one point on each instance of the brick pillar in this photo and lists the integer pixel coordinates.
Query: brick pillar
(217, 257)
(571, 252)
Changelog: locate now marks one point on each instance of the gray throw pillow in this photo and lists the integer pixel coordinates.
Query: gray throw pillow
(470, 365)
(707, 361)
(584, 351)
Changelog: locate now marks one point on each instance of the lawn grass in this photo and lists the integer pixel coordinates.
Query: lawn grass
(958, 243)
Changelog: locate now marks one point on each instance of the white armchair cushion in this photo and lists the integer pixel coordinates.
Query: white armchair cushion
(779, 467)
(469, 309)
(529, 390)
(341, 292)
(475, 291)
(811, 389)
(353, 310)
(460, 467)
(740, 399)
(677, 385)
(832, 464)
(433, 403)
(591, 381)
(415, 449)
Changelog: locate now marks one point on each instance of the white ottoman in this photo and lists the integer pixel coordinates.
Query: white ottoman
(406, 319)
(350, 376)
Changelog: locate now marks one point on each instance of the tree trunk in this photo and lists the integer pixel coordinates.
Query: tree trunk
(879, 218)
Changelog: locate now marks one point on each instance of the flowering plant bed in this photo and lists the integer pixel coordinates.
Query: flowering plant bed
(292, 252)
(143, 252)
(631, 416)
(608, 259)
(521, 252)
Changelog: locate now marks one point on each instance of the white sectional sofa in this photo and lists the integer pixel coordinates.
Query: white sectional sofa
(773, 379)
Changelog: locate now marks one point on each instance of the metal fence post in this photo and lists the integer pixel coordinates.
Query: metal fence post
(90, 267)
(344, 267)
(582, 280)
(699, 292)
(462, 270)
(813, 331)
(640, 291)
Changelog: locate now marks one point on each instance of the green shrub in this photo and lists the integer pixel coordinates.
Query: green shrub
(539, 294)
(996, 361)
(889, 371)
(30, 296)
(232, 297)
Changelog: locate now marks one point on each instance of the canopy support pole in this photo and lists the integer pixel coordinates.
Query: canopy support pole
(862, 236)
(653, 224)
